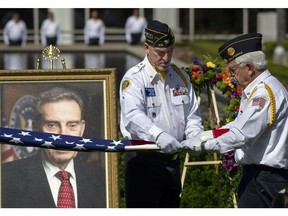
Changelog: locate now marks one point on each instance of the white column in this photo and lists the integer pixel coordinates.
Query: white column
(245, 21)
(36, 25)
(65, 16)
(191, 23)
(170, 16)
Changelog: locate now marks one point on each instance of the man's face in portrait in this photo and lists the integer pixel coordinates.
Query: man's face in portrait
(62, 117)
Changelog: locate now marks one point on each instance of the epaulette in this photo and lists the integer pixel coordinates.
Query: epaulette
(272, 100)
(140, 65)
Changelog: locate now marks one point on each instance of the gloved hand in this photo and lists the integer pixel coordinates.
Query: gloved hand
(211, 134)
(205, 135)
(193, 144)
(167, 143)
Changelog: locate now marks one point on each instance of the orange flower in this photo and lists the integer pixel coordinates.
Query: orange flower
(239, 90)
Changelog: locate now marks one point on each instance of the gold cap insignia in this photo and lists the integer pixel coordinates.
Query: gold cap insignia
(231, 51)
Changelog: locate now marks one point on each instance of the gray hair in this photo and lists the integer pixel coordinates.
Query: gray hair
(257, 59)
(54, 95)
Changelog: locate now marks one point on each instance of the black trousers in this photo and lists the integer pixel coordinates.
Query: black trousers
(135, 38)
(152, 180)
(94, 41)
(51, 41)
(259, 185)
(15, 42)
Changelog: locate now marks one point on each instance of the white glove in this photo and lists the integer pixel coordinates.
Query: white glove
(193, 144)
(167, 143)
(205, 135)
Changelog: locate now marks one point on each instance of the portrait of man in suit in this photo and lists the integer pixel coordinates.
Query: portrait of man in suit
(33, 182)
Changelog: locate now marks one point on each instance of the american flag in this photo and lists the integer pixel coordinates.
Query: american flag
(75, 143)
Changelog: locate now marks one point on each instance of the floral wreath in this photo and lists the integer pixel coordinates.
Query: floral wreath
(212, 73)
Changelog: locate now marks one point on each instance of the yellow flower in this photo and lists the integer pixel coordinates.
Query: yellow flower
(210, 64)
(227, 120)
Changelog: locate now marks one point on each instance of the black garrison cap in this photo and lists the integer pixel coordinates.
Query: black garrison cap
(158, 34)
(240, 45)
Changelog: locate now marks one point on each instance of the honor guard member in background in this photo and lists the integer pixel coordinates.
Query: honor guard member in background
(259, 134)
(94, 30)
(157, 104)
(50, 31)
(15, 31)
(135, 27)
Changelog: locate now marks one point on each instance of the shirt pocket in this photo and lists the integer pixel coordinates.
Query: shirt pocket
(181, 105)
(153, 108)
(180, 100)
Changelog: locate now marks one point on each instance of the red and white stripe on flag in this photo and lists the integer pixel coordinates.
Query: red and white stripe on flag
(7, 153)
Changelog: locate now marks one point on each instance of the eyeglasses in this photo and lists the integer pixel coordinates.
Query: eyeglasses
(233, 69)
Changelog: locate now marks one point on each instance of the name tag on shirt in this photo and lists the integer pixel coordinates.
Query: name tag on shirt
(150, 92)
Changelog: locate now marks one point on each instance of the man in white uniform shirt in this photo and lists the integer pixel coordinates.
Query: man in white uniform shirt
(94, 30)
(15, 31)
(259, 134)
(158, 104)
(134, 28)
(50, 31)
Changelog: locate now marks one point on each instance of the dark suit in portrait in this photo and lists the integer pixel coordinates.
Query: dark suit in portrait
(25, 185)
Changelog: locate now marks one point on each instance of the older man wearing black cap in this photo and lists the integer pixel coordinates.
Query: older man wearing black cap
(157, 104)
(259, 134)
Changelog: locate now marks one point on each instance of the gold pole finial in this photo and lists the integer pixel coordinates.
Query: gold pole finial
(51, 53)
(63, 63)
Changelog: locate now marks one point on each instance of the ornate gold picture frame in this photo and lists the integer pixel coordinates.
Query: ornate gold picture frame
(97, 87)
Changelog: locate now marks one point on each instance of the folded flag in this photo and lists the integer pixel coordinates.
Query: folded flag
(75, 143)
(219, 132)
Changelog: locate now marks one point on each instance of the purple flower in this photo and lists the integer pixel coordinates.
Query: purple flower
(213, 80)
(234, 94)
(230, 166)
(204, 68)
(228, 155)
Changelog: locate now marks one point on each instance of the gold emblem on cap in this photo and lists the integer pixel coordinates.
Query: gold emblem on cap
(231, 51)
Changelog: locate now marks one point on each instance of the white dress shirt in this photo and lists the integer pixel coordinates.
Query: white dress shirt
(135, 25)
(15, 31)
(94, 29)
(55, 183)
(50, 28)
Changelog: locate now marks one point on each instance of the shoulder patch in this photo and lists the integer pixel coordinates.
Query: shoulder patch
(126, 84)
(259, 101)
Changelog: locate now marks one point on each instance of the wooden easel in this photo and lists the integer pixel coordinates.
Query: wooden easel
(215, 162)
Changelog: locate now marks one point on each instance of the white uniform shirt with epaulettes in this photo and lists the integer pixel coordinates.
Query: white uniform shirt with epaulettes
(150, 106)
(260, 132)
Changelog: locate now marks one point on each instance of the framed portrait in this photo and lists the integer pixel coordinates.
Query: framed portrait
(19, 90)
